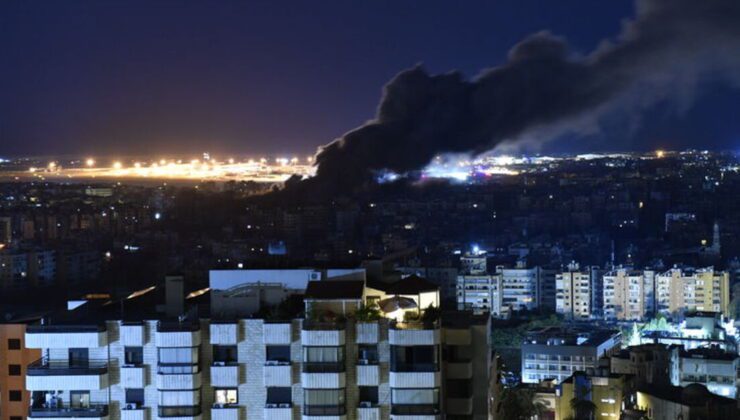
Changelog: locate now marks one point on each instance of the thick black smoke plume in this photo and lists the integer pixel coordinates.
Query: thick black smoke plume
(543, 88)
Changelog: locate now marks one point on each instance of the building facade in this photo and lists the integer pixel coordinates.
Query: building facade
(687, 290)
(628, 294)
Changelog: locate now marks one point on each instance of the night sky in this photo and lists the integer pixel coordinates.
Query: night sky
(177, 77)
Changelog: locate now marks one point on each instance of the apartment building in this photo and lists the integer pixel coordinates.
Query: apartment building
(629, 295)
(680, 290)
(480, 294)
(711, 367)
(606, 391)
(341, 361)
(573, 293)
(14, 357)
(556, 353)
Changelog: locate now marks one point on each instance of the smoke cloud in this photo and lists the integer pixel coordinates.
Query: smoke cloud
(544, 87)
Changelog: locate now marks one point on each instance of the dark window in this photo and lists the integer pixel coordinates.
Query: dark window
(279, 354)
(135, 396)
(279, 395)
(16, 418)
(79, 357)
(459, 388)
(367, 354)
(134, 356)
(14, 370)
(414, 359)
(224, 354)
(369, 394)
(14, 344)
(15, 395)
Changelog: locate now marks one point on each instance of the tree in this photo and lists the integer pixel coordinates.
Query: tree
(520, 404)
(583, 408)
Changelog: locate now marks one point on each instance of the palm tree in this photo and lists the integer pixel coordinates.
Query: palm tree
(520, 404)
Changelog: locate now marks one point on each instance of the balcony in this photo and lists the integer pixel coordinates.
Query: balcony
(177, 381)
(367, 332)
(368, 413)
(224, 333)
(323, 375)
(414, 334)
(324, 412)
(225, 413)
(322, 333)
(421, 379)
(132, 334)
(177, 334)
(415, 412)
(45, 374)
(368, 375)
(276, 333)
(180, 412)
(459, 406)
(278, 412)
(66, 336)
(134, 414)
(225, 375)
(459, 370)
(278, 374)
(94, 411)
(133, 376)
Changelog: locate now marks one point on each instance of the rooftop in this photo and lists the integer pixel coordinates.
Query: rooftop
(335, 289)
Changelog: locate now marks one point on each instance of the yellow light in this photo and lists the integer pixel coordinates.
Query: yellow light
(90, 162)
(117, 165)
(162, 161)
(137, 165)
(660, 153)
(52, 165)
(231, 161)
(31, 169)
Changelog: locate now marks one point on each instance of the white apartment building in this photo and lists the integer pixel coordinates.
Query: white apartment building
(573, 293)
(480, 294)
(327, 367)
(713, 368)
(629, 295)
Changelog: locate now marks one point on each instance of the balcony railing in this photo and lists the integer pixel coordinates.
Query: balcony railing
(414, 409)
(415, 325)
(324, 410)
(94, 410)
(414, 367)
(46, 329)
(323, 367)
(176, 326)
(46, 367)
(177, 368)
(179, 411)
(310, 325)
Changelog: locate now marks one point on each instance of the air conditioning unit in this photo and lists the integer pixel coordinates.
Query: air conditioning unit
(128, 366)
(284, 405)
(271, 406)
(132, 406)
(366, 404)
(219, 363)
(363, 362)
(315, 275)
(272, 363)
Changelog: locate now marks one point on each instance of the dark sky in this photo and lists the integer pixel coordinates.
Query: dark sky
(253, 77)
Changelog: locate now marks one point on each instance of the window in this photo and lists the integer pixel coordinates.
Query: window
(369, 394)
(427, 396)
(279, 354)
(79, 399)
(16, 418)
(325, 402)
(134, 356)
(227, 396)
(459, 388)
(224, 354)
(178, 398)
(279, 395)
(414, 359)
(14, 370)
(15, 395)
(178, 360)
(135, 396)
(323, 359)
(14, 344)
(367, 354)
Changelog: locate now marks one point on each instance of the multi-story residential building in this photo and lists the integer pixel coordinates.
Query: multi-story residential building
(711, 367)
(606, 391)
(480, 294)
(689, 402)
(339, 362)
(14, 357)
(649, 364)
(573, 293)
(520, 286)
(628, 294)
(555, 353)
(21, 268)
(680, 290)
